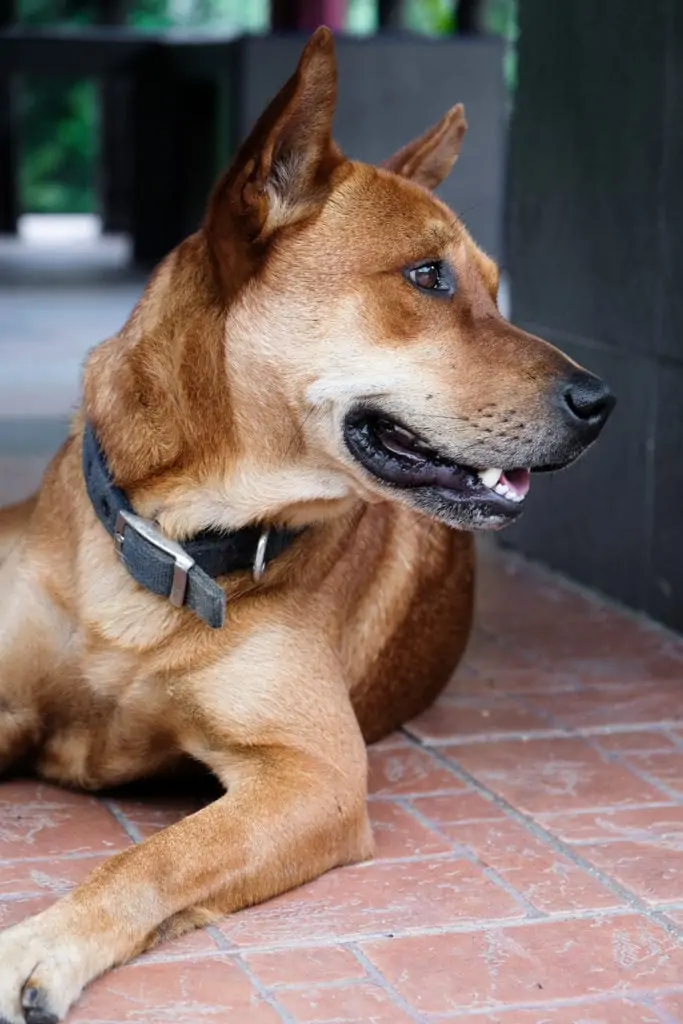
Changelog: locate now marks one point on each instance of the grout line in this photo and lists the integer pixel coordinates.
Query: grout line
(63, 857)
(378, 978)
(375, 798)
(542, 834)
(221, 942)
(453, 856)
(268, 997)
(635, 996)
(662, 1016)
(131, 830)
(303, 986)
(558, 731)
(675, 738)
(617, 757)
(592, 741)
(467, 927)
(471, 857)
(607, 809)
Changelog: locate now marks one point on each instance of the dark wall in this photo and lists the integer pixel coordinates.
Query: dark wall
(595, 256)
(392, 89)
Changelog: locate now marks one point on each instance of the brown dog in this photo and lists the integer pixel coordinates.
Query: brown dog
(324, 360)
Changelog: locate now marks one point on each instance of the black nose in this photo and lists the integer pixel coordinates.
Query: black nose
(588, 399)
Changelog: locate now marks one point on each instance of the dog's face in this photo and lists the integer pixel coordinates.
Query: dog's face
(332, 332)
(373, 315)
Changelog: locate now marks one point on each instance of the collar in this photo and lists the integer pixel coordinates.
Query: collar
(184, 574)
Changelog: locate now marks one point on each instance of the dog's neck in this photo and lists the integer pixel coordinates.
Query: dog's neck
(198, 436)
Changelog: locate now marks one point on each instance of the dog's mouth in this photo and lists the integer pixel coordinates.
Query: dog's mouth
(401, 459)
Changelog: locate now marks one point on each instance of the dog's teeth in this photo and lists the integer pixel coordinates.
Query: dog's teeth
(508, 492)
(490, 477)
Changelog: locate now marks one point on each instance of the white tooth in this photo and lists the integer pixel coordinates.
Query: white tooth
(490, 477)
(508, 492)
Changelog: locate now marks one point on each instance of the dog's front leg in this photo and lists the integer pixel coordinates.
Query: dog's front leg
(295, 808)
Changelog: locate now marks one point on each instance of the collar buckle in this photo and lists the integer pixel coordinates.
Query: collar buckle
(149, 531)
(259, 565)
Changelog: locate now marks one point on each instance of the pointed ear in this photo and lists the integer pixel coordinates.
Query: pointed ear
(281, 172)
(429, 159)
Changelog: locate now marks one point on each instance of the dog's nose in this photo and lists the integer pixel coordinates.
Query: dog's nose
(588, 400)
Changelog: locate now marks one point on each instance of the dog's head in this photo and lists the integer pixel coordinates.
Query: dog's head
(363, 350)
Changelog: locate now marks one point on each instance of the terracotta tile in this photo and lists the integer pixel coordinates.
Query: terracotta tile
(633, 742)
(652, 826)
(497, 659)
(534, 963)
(37, 820)
(672, 1005)
(304, 966)
(552, 774)
(45, 877)
(638, 704)
(465, 673)
(655, 873)
(551, 882)
(665, 767)
(527, 680)
(452, 718)
(578, 1013)
(596, 664)
(404, 771)
(352, 1004)
(399, 834)
(457, 808)
(182, 992)
(374, 899)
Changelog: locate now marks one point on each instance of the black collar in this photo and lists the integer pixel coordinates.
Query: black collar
(185, 575)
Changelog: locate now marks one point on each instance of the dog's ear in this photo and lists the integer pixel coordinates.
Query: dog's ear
(429, 159)
(281, 172)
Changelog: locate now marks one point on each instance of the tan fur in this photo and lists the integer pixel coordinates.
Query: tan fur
(220, 404)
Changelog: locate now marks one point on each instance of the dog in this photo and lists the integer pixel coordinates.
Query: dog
(255, 549)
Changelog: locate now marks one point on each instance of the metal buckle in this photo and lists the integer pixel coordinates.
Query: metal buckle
(259, 566)
(150, 532)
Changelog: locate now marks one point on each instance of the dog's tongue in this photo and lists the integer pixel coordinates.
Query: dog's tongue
(513, 483)
(518, 480)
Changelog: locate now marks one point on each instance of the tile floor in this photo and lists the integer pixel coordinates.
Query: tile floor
(529, 849)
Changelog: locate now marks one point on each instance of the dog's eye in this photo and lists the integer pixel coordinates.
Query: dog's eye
(434, 276)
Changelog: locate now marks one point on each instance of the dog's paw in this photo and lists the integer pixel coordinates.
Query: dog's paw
(40, 975)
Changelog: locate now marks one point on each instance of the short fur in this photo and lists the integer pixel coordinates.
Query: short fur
(221, 403)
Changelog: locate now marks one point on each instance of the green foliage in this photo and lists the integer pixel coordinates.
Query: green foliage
(58, 146)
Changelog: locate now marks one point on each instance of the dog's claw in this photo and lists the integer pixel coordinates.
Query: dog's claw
(33, 1001)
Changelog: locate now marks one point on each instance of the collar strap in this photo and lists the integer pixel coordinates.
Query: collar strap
(183, 574)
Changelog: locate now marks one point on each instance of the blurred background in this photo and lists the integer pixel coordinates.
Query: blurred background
(116, 115)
